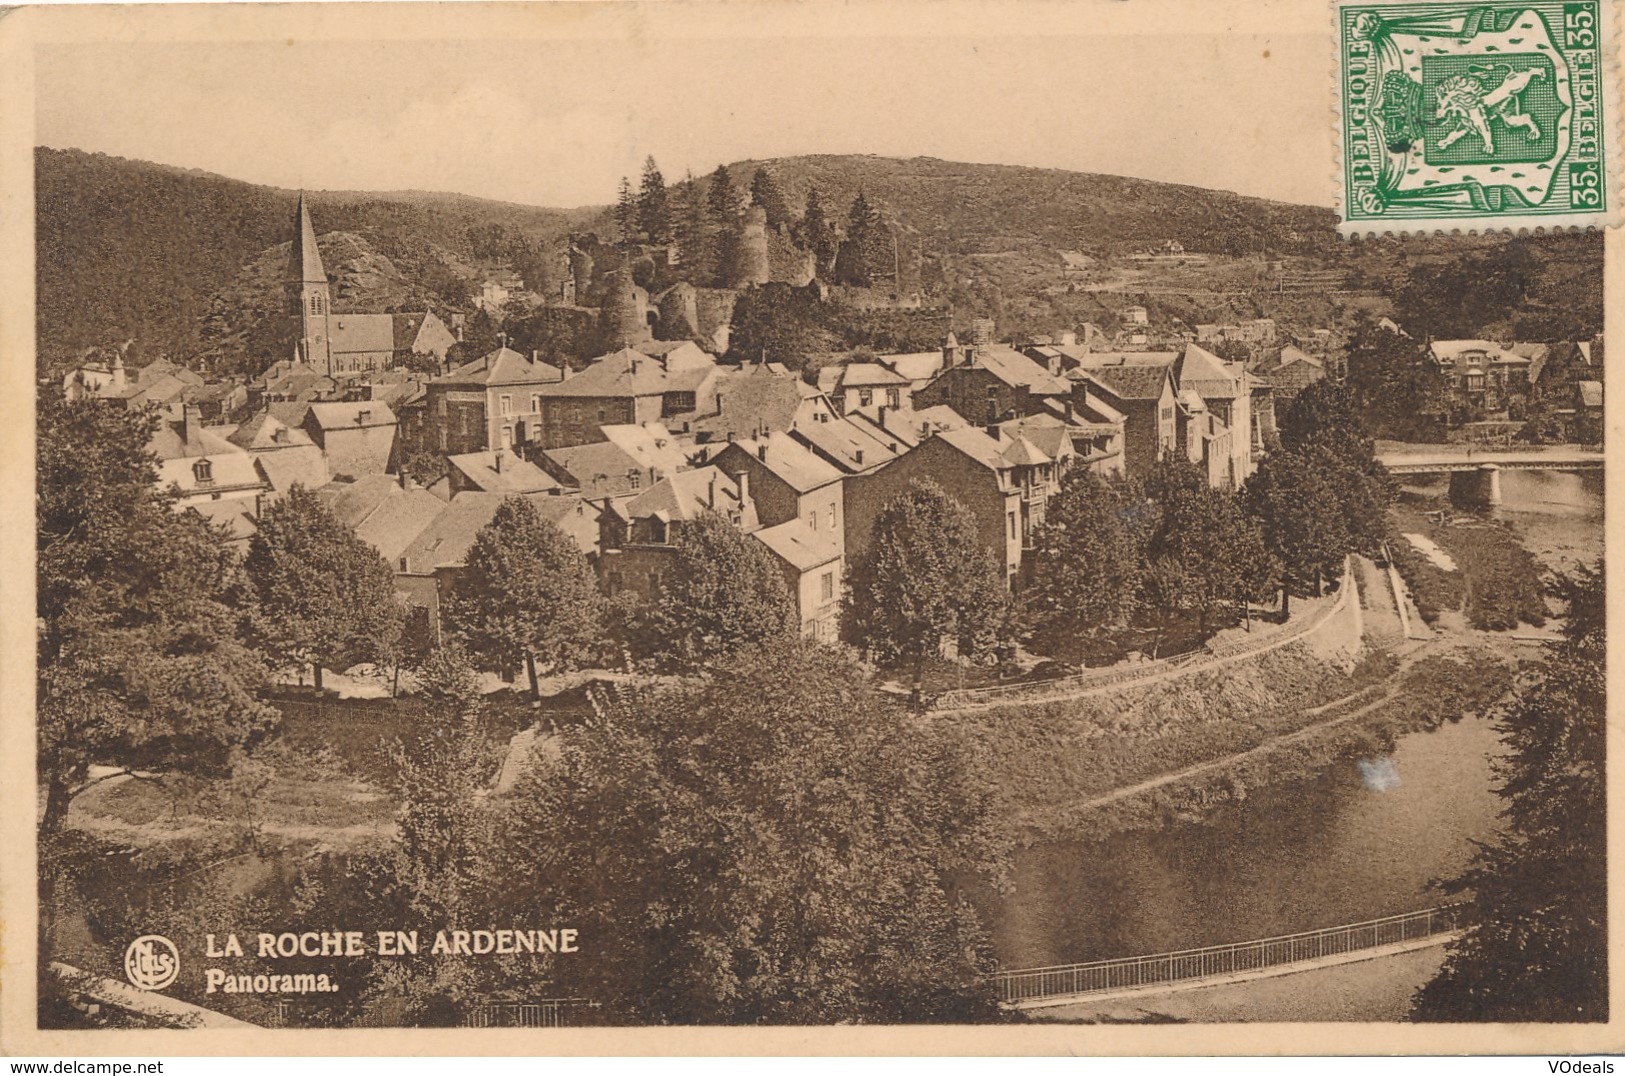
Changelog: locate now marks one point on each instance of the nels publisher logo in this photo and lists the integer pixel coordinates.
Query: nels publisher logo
(152, 962)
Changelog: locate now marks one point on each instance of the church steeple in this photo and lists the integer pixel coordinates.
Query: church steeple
(308, 277)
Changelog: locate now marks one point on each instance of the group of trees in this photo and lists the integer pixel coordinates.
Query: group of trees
(703, 219)
(1536, 943)
(1117, 553)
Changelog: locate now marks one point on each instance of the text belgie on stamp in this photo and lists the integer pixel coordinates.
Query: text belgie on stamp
(1475, 117)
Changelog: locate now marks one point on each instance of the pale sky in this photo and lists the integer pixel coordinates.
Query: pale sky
(553, 111)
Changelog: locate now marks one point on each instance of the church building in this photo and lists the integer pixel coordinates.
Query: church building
(351, 343)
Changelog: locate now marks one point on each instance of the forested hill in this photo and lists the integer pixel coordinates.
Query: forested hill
(133, 249)
(986, 208)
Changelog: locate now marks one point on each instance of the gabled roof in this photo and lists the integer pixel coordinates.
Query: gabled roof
(169, 442)
(753, 398)
(351, 414)
(288, 412)
(790, 460)
(649, 445)
(288, 466)
(849, 446)
(685, 495)
(800, 546)
(350, 333)
(507, 474)
(859, 375)
(232, 470)
(626, 372)
(1590, 393)
(1127, 382)
(1290, 354)
(1050, 434)
(382, 514)
(1016, 369)
(918, 366)
(234, 516)
(1206, 373)
(446, 540)
(266, 431)
(504, 366)
(973, 442)
(1021, 452)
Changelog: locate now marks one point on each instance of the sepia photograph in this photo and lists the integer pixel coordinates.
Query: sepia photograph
(1037, 519)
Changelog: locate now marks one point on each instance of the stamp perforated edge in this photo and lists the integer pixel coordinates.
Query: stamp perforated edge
(1613, 124)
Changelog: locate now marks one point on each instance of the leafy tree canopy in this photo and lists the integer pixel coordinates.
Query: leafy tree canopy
(1536, 945)
(772, 844)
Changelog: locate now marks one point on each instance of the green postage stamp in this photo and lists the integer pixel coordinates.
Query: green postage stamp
(1476, 117)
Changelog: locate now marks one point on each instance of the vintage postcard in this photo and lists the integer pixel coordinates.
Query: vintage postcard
(969, 527)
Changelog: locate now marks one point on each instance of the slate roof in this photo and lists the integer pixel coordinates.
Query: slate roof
(1127, 382)
(305, 259)
(348, 414)
(169, 442)
(1201, 370)
(361, 332)
(263, 431)
(1049, 433)
(446, 540)
(515, 476)
(685, 495)
(918, 366)
(790, 460)
(801, 547)
(230, 470)
(287, 466)
(752, 398)
(1014, 368)
(381, 513)
(843, 443)
(859, 375)
(975, 443)
(623, 373)
(233, 515)
(1590, 393)
(504, 366)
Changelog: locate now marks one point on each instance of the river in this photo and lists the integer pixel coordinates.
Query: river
(1362, 839)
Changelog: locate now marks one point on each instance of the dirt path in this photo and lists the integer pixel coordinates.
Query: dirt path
(1277, 742)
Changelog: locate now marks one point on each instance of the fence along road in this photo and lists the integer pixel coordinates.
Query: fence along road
(1025, 987)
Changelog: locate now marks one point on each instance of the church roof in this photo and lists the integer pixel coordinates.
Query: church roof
(306, 261)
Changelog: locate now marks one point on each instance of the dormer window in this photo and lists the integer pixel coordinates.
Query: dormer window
(203, 471)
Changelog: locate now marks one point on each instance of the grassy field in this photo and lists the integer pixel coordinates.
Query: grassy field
(1496, 584)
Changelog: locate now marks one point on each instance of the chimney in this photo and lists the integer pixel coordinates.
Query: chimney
(880, 415)
(981, 335)
(191, 422)
(402, 477)
(500, 454)
(711, 490)
(362, 416)
(857, 455)
(761, 451)
(743, 479)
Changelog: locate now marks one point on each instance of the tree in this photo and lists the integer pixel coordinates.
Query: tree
(722, 200)
(1403, 395)
(924, 579)
(141, 658)
(766, 192)
(817, 234)
(724, 591)
(1299, 507)
(1086, 559)
(1535, 946)
(779, 322)
(1212, 548)
(654, 212)
(691, 232)
(866, 253)
(1325, 417)
(774, 843)
(323, 596)
(626, 212)
(525, 595)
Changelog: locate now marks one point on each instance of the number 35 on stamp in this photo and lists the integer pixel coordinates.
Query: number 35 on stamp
(1475, 116)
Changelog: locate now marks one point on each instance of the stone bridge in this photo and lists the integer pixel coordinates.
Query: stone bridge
(1475, 474)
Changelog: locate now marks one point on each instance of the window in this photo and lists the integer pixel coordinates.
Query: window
(832, 517)
(505, 405)
(894, 398)
(634, 479)
(536, 403)
(203, 471)
(1012, 524)
(507, 437)
(866, 397)
(812, 519)
(826, 586)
